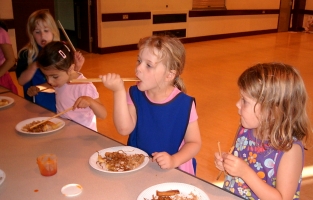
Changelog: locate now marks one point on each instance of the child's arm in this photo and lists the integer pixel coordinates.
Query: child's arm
(288, 175)
(34, 90)
(79, 60)
(189, 149)
(94, 104)
(9, 58)
(124, 115)
(28, 74)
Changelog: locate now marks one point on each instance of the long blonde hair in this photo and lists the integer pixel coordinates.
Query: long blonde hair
(37, 16)
(171, 52)
(280, 91)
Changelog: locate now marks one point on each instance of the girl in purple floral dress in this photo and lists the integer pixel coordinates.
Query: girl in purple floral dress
(269, 149)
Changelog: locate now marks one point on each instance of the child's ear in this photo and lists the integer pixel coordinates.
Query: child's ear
(71, 68)
(171, 74)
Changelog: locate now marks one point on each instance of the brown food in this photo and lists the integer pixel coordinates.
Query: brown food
(120, 161)
(47, 126)
(4, 102)
(167, 193)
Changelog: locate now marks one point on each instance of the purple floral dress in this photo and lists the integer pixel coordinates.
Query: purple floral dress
(261, 158)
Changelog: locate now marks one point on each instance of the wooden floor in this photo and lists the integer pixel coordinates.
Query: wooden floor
(211, 72)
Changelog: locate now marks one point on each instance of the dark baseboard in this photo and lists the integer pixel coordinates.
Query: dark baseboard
(131, 47)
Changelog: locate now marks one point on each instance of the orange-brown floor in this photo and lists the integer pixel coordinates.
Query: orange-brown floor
(211, 72)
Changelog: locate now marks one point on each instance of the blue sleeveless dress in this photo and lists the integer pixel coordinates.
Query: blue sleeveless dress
(160, 127)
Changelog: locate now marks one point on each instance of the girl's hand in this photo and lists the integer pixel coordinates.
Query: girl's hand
(79, 60)
(219, 161)
(234, 166)
(113, 82)
(82, 102)
(33, 91)
(163, 159)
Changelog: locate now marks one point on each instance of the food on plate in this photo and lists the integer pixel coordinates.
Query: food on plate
(46, 126)
(167, 193)
(4, 102)
(119, 161)
(173, 195)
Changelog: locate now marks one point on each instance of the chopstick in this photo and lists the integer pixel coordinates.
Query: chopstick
(61, 113)
(65, 34)
(219, 149)
(99, 80)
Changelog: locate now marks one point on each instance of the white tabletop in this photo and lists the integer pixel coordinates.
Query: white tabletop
(73, 145)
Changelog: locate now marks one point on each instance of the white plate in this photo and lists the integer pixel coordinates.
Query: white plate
(71, 190)
(2, 176)
(127, 149)
(20, 125)
(184, 189)
(7, 98)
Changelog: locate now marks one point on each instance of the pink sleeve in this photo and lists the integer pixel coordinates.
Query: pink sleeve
(193, 113)
(4, 37)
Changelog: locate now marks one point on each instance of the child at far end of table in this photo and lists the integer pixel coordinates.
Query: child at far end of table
(56, 61)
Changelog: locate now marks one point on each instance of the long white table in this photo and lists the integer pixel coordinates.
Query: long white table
(73, 145)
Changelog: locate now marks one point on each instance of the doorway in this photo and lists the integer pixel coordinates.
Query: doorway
(85, 34)
(284, 15)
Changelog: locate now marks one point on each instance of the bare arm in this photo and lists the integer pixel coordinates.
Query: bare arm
(94, 104)
(28, 74)
(124, 115)
(288, 175)
(191, 147)
(79, 60)
(9, 58)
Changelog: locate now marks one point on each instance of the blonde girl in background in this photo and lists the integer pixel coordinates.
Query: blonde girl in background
(156, 113)
(56, 61)
(269, 150)
(41, 30)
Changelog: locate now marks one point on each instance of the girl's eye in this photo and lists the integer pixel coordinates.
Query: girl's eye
(138, 61)
(55, 77)
(149, 66)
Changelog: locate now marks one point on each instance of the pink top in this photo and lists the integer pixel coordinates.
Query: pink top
(67, 95)
(187, 166)
(4, 39)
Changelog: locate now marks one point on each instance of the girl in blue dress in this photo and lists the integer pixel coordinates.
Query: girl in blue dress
(269, 148)
(41, 30)
(157, 114)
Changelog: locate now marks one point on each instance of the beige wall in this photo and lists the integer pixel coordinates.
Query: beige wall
(114, 33)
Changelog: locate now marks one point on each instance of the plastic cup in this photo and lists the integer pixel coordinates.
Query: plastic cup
(47, 164)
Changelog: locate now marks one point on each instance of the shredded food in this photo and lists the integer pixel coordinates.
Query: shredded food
(120, 161)
(4, 102)
(47, 126)
(190, 196)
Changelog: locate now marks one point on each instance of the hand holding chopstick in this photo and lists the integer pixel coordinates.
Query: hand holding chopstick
(61, 113)
(219, 149)
(99, 80)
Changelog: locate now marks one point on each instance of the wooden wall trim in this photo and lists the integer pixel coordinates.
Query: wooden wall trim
(205, 13)
(9, 22)
(109, 17)
(308, 12)
(115, 49)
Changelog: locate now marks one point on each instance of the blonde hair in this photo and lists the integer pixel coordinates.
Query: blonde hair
(280, 91)
(171, 52)
(37, 16)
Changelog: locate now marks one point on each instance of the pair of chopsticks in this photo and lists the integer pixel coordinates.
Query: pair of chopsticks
(99, 80)
(61, 113)
(219, 150)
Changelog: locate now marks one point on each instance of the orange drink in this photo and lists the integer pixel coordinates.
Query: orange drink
(47, 164)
